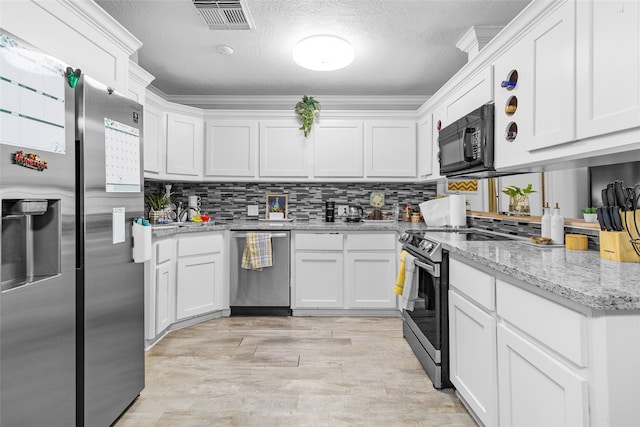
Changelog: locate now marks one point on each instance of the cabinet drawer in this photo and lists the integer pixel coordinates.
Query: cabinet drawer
(197, 245)
(559, 327)
(371, 241)
(476, 284)
(319, 242)
(163, 251)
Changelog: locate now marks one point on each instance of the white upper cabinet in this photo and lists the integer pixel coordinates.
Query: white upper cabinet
(283, 149)
(608, 66)
(425, 148)
(390, 148)
(550, 49)
(338, 149)
(154, 140)
(231, 147)
(476, 91)
(513, 106)
(184, 145)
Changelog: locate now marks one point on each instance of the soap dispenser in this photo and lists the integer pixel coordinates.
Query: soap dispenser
(557, 227)
(546, 221)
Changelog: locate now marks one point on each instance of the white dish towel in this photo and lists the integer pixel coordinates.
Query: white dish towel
(410, 290)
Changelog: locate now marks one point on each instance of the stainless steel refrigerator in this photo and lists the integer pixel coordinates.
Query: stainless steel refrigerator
(71, 305)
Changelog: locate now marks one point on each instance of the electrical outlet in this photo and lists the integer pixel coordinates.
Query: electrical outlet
(342, 210)
(252, 210)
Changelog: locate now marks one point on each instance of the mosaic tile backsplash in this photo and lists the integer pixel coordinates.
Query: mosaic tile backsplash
(229, 201)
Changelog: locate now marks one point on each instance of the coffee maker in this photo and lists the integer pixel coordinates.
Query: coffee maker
(329, 212)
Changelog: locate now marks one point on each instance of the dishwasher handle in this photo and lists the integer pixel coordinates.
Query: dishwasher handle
(273, 236)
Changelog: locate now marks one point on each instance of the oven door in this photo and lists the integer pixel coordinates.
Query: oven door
(428, 325)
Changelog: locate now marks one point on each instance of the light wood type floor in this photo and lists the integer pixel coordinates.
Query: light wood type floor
(290, 371)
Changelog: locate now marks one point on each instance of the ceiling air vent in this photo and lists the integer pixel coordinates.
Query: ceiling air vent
(225, 14)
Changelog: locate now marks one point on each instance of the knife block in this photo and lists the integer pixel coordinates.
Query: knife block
(615, 246)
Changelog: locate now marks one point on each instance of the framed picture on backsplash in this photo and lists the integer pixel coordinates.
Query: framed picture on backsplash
(277, 206)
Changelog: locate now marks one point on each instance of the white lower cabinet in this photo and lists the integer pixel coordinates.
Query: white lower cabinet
(535, 388)
(319, 281)
(331, 272)
(200, 275)
(518, 358)
(164, 296)
(370, 269)
(472, 355)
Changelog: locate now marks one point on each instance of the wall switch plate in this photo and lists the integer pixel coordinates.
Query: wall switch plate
(252, 210)
(341, 210)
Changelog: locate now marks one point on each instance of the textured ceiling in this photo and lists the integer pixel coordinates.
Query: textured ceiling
(403, 48)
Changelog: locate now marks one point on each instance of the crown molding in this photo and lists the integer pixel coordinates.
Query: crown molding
(286, 102)
(97, 18)
(139, 74)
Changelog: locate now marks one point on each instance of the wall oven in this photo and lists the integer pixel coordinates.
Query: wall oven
(426, 328)
(466, 145)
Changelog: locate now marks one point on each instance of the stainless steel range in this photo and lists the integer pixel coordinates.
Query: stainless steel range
(426, 328)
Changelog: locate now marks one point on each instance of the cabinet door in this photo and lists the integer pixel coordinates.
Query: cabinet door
(608, 66)
(473, 357)
(338, 149)
(231, 148)
(390, 149)
(425, 146)
(513, 107)
(283, 149)
(164, 300)
(476, 91)
(319, 280)
(184, 145)
(199, 285)
(369, 275)
(536, 389)
(551, 52)
(154, 140)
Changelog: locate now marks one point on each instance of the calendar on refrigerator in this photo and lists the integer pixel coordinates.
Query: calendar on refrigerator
(122, 157)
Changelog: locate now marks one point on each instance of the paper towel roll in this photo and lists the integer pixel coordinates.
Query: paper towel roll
(457, 211)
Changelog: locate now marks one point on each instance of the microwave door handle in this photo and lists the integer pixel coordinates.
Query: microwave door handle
(467, 148)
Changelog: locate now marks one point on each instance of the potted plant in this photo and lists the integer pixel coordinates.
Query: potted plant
(590, 214)
(519, 199)
(308, 109)
(157, 202)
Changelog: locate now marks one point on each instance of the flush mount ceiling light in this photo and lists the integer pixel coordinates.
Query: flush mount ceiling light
(323, 53)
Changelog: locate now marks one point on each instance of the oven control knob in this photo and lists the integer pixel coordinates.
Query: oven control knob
(404, 236)
(423, 244)
(429, 247)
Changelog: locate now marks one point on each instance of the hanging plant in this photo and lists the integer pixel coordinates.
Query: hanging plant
(307, 109)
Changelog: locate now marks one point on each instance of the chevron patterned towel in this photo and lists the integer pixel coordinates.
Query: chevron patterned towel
(257, 252)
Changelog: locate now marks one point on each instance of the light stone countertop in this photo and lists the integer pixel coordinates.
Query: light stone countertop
(580, 276)
(172, 229)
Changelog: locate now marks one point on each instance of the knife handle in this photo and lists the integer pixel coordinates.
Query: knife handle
(621, 198)
(611, 195)
(605, 198)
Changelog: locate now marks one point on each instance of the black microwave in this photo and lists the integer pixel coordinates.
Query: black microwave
(466, 146)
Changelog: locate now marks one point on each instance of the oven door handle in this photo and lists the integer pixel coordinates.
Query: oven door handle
(433, 270)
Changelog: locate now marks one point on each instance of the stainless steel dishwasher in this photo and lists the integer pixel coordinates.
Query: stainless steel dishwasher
(265, 292)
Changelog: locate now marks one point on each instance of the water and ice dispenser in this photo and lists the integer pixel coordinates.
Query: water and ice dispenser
(31, 241)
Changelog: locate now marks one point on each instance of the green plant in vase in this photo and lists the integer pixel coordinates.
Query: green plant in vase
(519, 199)
(590, 214)
(156, 202)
